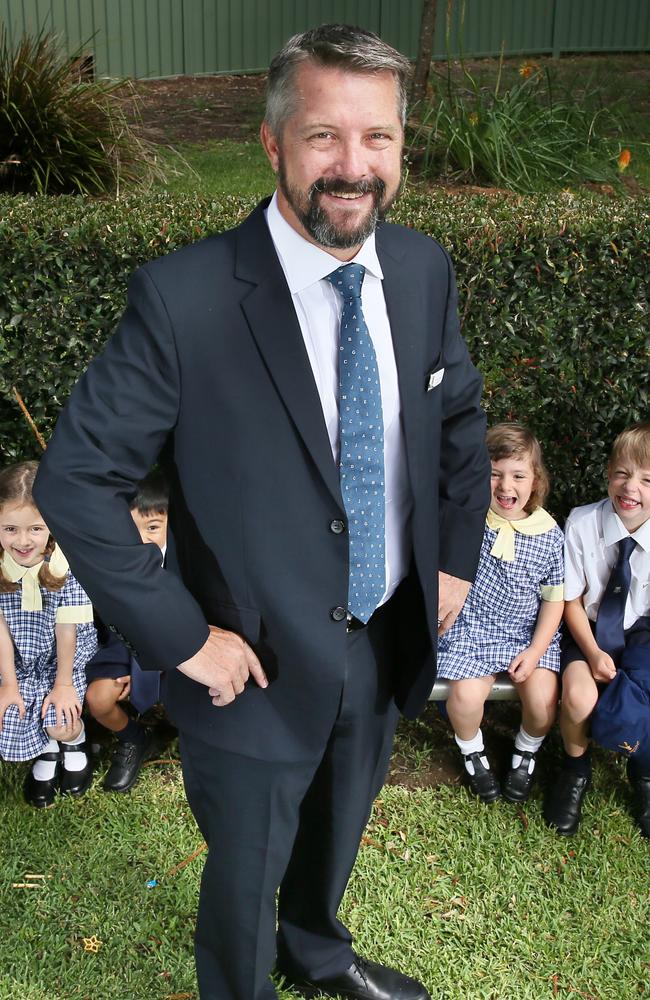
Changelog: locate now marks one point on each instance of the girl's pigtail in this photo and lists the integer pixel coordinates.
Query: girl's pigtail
(45, 577)
(6, 586)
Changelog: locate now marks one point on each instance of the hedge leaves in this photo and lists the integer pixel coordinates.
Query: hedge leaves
(553, 296)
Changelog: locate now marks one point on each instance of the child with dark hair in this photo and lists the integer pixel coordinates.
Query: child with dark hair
(608, 616)
(46, 637)
(511, 617)
(114, 675)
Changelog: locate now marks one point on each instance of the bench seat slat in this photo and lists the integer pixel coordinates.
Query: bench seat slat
(503, 689)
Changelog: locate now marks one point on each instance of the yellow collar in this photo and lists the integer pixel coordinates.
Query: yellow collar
(27, 576)
(537, 523)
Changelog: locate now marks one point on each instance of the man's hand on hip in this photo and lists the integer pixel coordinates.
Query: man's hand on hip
(451, 596)
(224, 663)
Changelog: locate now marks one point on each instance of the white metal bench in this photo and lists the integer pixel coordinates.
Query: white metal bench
(503, 689)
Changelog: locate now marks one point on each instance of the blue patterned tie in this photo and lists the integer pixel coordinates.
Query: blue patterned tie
(361, 463)
(610, 634)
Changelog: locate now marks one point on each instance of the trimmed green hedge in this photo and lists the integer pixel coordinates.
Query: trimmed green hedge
(553, 299)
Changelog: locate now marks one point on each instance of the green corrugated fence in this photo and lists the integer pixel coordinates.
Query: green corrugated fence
(157, 38)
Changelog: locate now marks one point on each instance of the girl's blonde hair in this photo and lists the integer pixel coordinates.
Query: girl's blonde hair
(506, 440)
(633, 444)
(16, 483)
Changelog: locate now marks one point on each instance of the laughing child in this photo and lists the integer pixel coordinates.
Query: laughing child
(607, 553)
(511, 617)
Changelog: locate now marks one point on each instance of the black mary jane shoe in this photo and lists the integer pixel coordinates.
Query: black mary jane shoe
(519, 780)
(483, 781)
(563, 805)
(76, 782)
(40, 794)
(364, 980)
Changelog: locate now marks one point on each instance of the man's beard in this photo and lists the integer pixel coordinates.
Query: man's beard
(315, 220)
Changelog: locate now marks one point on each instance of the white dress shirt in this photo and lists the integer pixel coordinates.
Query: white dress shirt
(318, 308)
(591, 537)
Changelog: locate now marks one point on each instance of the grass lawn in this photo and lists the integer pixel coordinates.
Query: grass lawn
(220, 167)
(477, 901)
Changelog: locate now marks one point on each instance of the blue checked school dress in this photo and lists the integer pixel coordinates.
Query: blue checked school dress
(499, 616)
(32, 632)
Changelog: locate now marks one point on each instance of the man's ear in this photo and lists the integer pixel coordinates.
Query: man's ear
(271, 146)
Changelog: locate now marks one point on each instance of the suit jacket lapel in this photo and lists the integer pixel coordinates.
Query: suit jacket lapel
(273, 322)
(403, 295)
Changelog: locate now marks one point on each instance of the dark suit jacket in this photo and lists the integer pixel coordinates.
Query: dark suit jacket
(208, 373)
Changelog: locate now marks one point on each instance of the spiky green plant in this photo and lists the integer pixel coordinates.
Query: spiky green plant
(62, 134)
(530, 136)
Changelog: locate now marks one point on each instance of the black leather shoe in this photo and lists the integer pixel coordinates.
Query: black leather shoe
(483, 782)
(641, 786)
(519, 780)
(365, 981)
(126, 763)
(76, 782)
(41, 793)
(563, 804)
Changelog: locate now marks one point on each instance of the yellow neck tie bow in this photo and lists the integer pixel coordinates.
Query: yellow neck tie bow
(537, 523)
(27, 576)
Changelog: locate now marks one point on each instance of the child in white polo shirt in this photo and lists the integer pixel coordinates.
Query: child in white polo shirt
(607, 590)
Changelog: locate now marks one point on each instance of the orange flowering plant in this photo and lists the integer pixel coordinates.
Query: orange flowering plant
(527, 69)
(624, 158)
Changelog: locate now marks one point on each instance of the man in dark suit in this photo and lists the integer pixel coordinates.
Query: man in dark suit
(306, 590)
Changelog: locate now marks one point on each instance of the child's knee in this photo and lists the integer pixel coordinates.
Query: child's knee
(542, 688)
(101, 696)
(64, 733)
(578, 702)
(468, 696)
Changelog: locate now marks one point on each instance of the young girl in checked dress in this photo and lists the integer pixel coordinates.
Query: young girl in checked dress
(511, 616)
(46, 637)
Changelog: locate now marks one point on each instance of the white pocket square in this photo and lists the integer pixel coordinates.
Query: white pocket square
(434, 379)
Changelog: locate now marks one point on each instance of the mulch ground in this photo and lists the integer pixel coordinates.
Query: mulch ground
(201, 108)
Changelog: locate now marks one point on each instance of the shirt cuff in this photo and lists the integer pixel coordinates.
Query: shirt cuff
(74, 614)
(552, 593)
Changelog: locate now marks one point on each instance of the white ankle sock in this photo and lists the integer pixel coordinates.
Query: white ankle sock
(530, 744)
(475, 745)
(75, 760)
(44, 770)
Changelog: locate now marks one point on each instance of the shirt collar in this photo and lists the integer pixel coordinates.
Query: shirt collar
(303, 262)
(614, 529)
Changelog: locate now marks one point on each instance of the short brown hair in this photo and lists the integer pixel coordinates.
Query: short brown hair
(634, 444)
(356, 50)
(506, 440)
(16, 483)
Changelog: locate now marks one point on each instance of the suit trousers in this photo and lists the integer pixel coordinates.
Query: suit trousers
(292, 826)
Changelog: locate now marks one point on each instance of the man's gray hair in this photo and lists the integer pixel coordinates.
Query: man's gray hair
(337, 45)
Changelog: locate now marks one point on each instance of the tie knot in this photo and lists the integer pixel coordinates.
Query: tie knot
(348, 280)
(625, 548)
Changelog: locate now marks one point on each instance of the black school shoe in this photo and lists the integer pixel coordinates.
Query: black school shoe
(519, 780)
(40, 794)
(76, 782)
(126, 763)
(641, 786)
(364, 980)
(483, 782)
(563, 805)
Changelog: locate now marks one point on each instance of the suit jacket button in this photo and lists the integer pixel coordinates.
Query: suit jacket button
(338, 527)
(338, 614)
